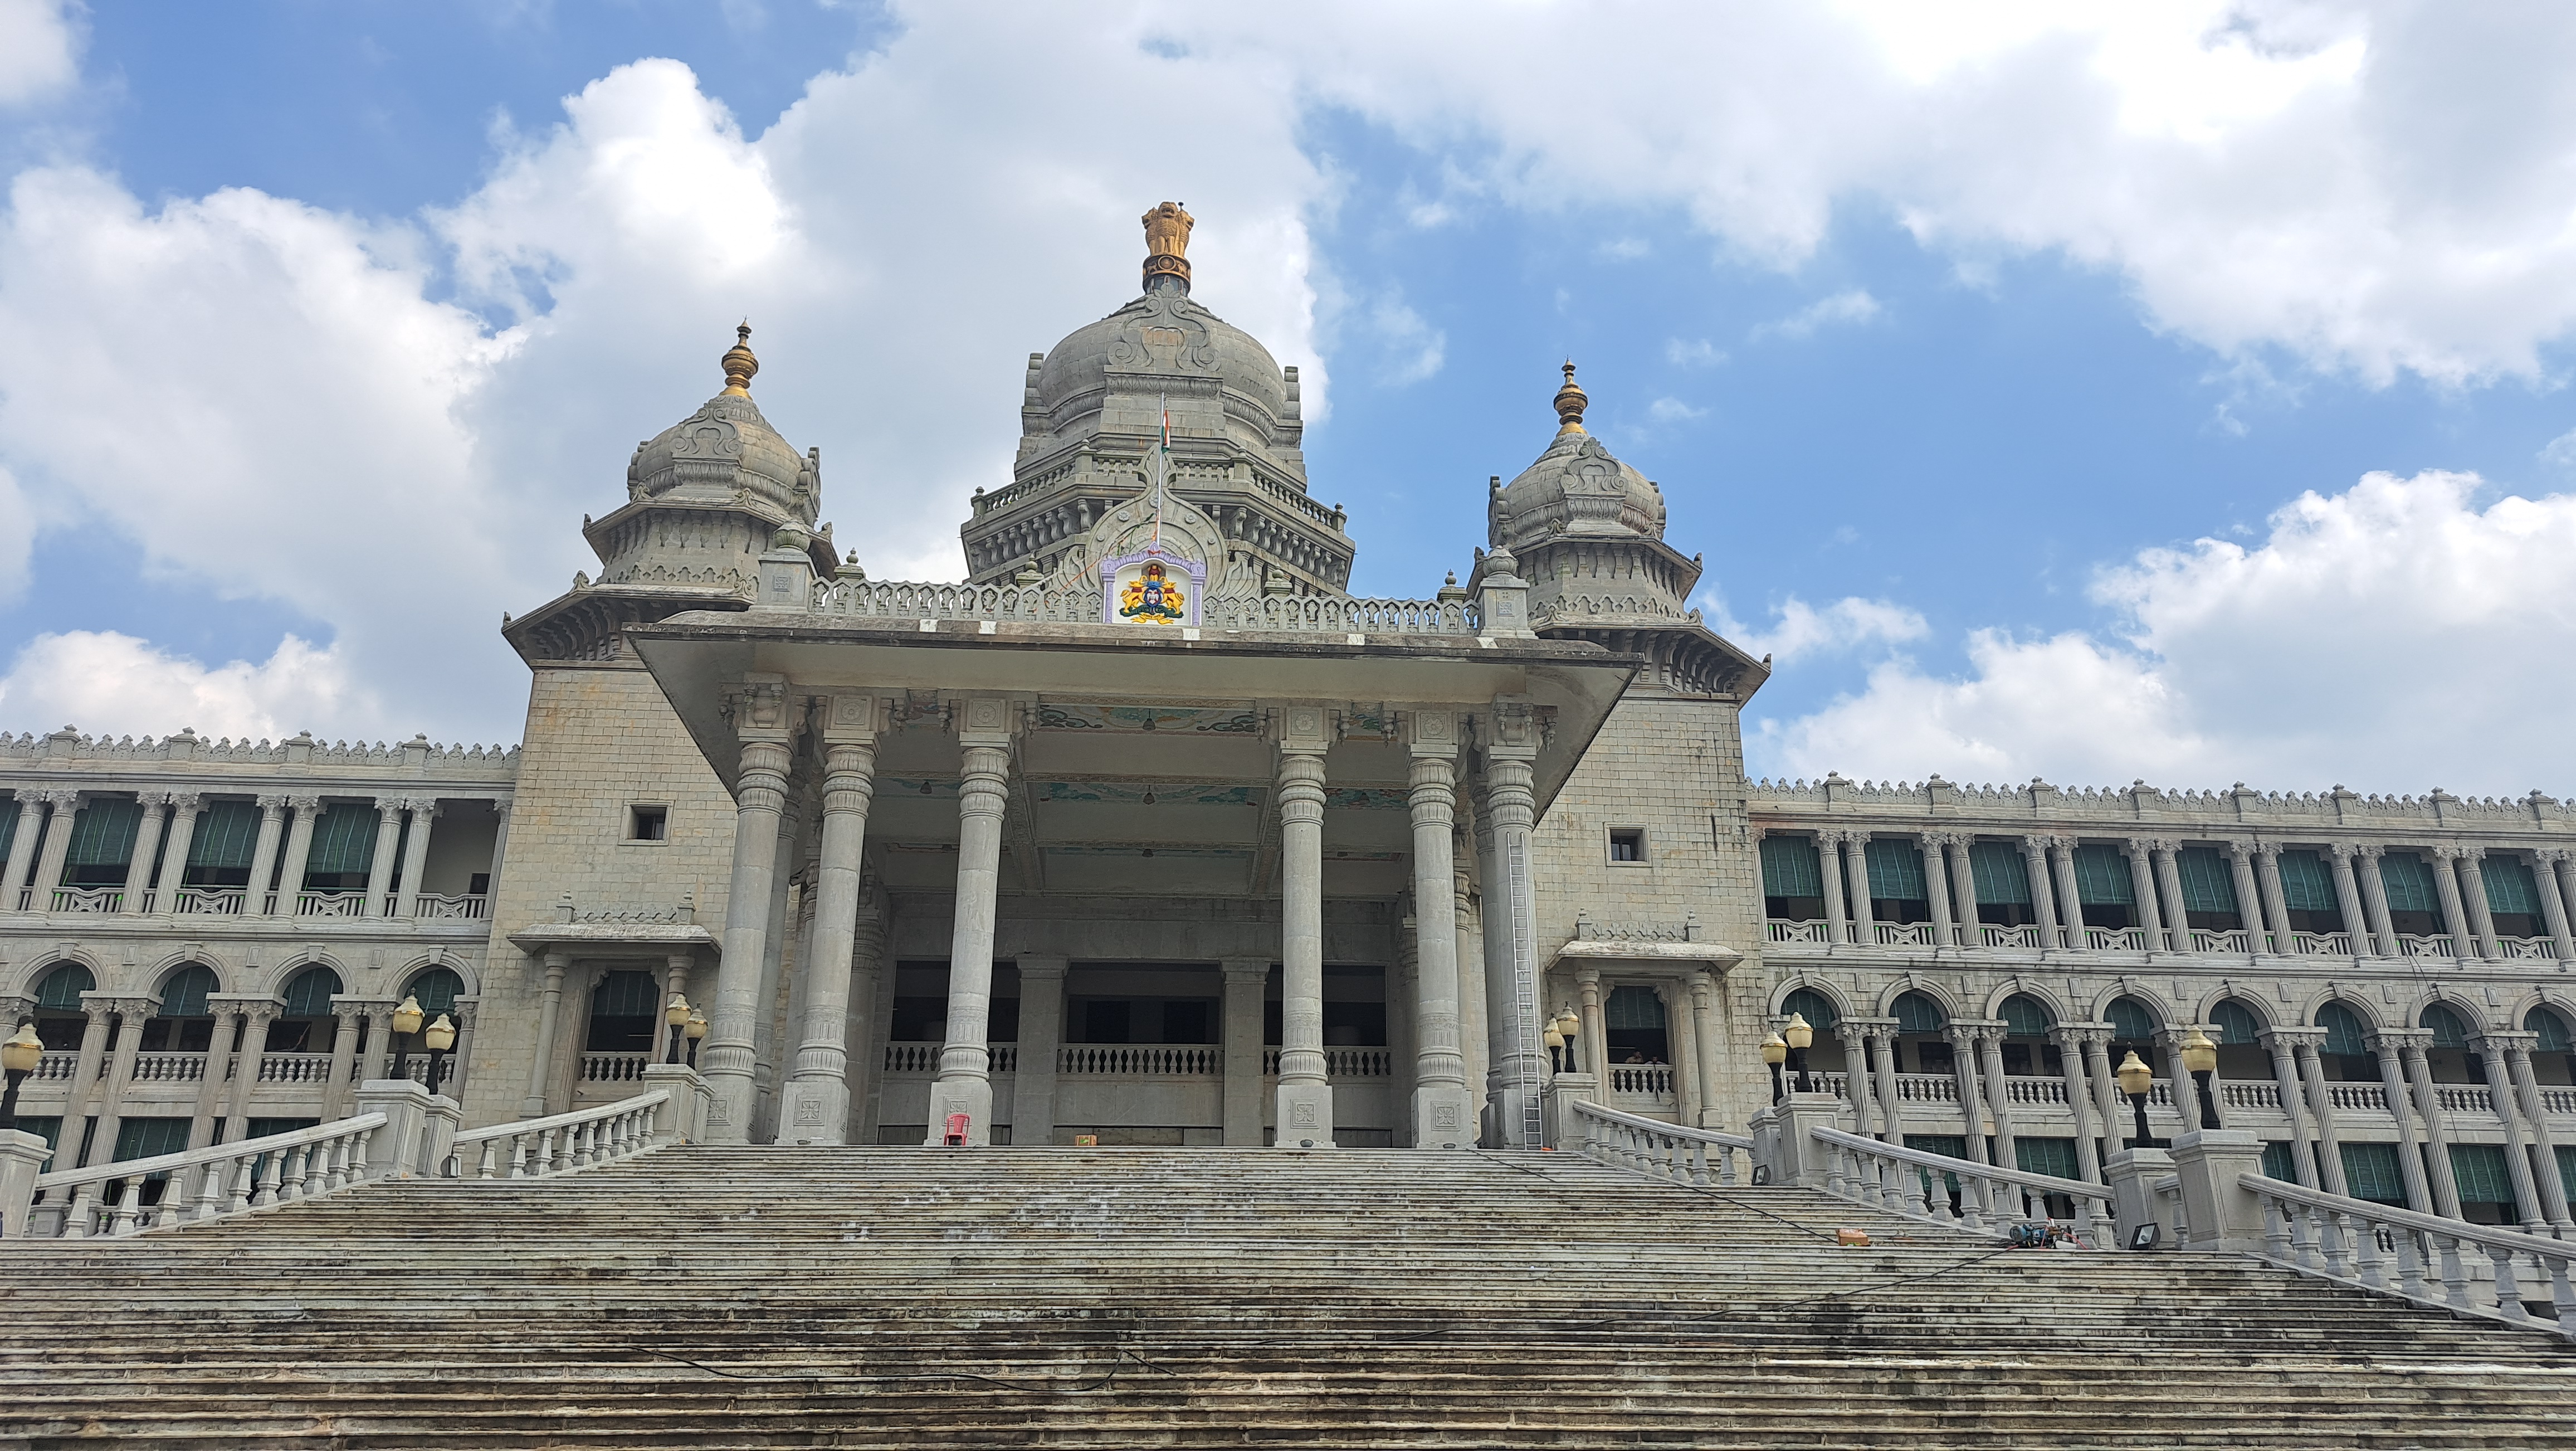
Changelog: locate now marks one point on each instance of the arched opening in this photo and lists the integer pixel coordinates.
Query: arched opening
(60, 1018)
(2027, 1052)
(1920, 1046)
(2345, 1054)
(306, 1023)
(2241, 1054)
(2448, 1053)
(2553, 1058)
(1826, 1054)
(624, 1010)
(436, 991)
(184, 1023)
(2133, 1030)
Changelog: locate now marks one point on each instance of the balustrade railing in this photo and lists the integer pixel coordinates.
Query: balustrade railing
(1926, 1088)
(924, 1057)
(2558, 1100)
(2366, 1096)
(2205, 939)
(1654, 1080)
(210, 902)
(295, 1067)
(331, 904)
(2434, 946)
(2418, 1256)
(537, 1147)
(199, 1184)
(464, 907)
(168, 1068)
(613, 1067)
(1900, 1181)
(2025, 937)
(2464, 1098)
(2030, 938)
(88, 900)
(1154, 1061)
(56, 1066)
(2526, 948)
(2116, 939)
(2321, 944)
(1818, 933)
(1341, 1063)
(2246, 1093)
(1697, 1157)
(1904, 934)
(2028, 1092)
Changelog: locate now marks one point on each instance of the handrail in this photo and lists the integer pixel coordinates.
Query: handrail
(2315, 1233)
(1656, 1149)
(560, 1143)
(1910, 1195)
(248, 1174)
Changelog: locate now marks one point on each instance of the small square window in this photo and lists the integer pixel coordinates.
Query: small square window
(648, 823)
(1628, 845)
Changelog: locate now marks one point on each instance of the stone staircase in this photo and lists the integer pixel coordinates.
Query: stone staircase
(888, 1297)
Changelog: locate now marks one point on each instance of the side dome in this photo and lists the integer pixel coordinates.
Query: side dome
(1576, 487)
(727, 450)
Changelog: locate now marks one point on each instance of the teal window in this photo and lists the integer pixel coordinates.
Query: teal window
(2208, 880)
(2131, 1021)
(1790, 868)
(344, 848)
(144, 1138)
(1895, 871)
(2370, 1172)
(2102, 877)
(2554, 1037)
(2345, 1033)
(625, 1009)
(2025, 1017)
(309, 994)
(1812, 1005)
(2448, 1030)
(63, 986)
(184, 1023)
(436, 990)
(2306, 884)
(2481, 1174)
(2510, 890)
(2236, 1022)
(2566, 1166)
(2045, 1156)
(2410, 883)
(261, 1128)
(2277, 1162)
(220, 851)
(2001, 876)
(1635, 1007)
(184, 995)
(102, 843)
(51, 1131)
(1917, 1013)
(8, 827)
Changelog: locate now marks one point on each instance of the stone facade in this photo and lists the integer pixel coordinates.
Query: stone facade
(1261, 862)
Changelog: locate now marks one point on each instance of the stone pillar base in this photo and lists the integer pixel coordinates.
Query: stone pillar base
(1563, 1092)
(815, 1110)
(1443, 1118)
(1781, 1142)
(393, 1152)
(2223, 1214)
(1305, 1116)
(440, 1118)
(2132, 1175)
(682, 1120)
(22, 1157)
(972, 1097)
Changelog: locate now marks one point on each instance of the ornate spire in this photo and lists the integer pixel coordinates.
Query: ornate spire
(1570, 401)
(739, 364)
(1167, 244)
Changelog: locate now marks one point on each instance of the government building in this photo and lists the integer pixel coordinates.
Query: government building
(1149, 833)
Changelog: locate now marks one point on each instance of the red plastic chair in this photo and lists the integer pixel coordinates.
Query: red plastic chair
(956, 1136)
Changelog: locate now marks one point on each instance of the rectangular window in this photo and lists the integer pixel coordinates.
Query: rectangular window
(2566, 1165)
(226, 838)
(1895, 871)
(2483, 1179)
(344, 848)
(2102, 877)
(2045, 1156)
(2370, 1172)
(2002, 878)
(8, 827)
(648, 823)
(1793, 887)
(2410, 883)
(2306, 883)
(2208, 879)
(102, 843)
(2278, 1163)
(144, 1138)
(2510, 890)
(1628, 844)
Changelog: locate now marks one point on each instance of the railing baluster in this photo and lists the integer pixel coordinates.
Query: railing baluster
(2330, 1239)
(2455, 1281)
(2508, 1286)
(2410, 1264)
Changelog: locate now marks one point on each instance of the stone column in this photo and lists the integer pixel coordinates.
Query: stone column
(380, 863)
(254, 1046)
(2276, 907)
(1596, 1033)
(1855, 1034)
(2492, 1049)
(1443, 1108)
(1990, 1052)
(1511, 923)
(299, 850)
(58, 847)
(263, 854)
(2070, 900)
(1963, 889)
(2142, 885)
(1891, 1105)
(1467, 911)
(120, 1068)
(344, 1058)
(2411, 1043)
(2106, 1089)
(2043, 900)
(541, 1060)
(2169, 882)
(2553, 903)
(500, 841)
(2517, 1048)
(2455, 917)
(2348, 897)
(1305, 1097)
(2374, 899)
(184, 806)
(2473, 872)
(1702, 991)
(2283, 1044)
(2392, 1086)
(1936, 887)
(1041, 1033)
(2249, 895)
(729, 1057)
(965, 1082)
(2321, 1107)
(2079, 1098)
(23, 842)
(1247, 982)
(786, 939)
(424, 812)
(209, 1116)
(1962, 1034)
(816, 1106)
(1829, 869)
(1856, 863)
(147, 842)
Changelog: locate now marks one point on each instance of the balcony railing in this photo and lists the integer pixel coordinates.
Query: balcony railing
(59, 1066)
(2228, 942)
(79, 901)
(471, 906)
(350, 903)
(1653, 1080)
(295, 1067)
(168, 1067)
(2439, 946)
(210, 901)
(924, 1057)
(613, 1067)
(1123, 1061)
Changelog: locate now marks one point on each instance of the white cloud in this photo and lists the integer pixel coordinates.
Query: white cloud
(1696, 353)
(1673, 410)
(1416, 350)
(2560, 452)
(1798, 629)
(1624, 249)
(111, 684)
(1842, 309)
(39, 50)
(2393, 637)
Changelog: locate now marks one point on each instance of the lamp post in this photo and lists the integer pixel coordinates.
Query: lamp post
(2200, 1060)
(437, 1038)
(696, 1030)
(675, 1013)
(406, 1021)
(1555, 1042)
(1800, 1037)
(1775, 1051)
(2136, 1078)
(1568, 1026)
(19, 1057)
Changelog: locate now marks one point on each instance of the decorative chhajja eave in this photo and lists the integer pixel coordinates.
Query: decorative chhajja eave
(1683, 657)
(583, 624)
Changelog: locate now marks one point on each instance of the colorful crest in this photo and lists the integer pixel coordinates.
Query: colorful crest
(1152, 587)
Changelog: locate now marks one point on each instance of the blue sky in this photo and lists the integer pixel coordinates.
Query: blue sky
(1934, 336)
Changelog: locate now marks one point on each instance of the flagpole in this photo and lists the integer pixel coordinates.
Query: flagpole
(1162, 467)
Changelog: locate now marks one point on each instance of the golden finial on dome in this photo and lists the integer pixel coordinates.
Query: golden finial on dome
(1167, 243)
(739, 364)
(1570, 401)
